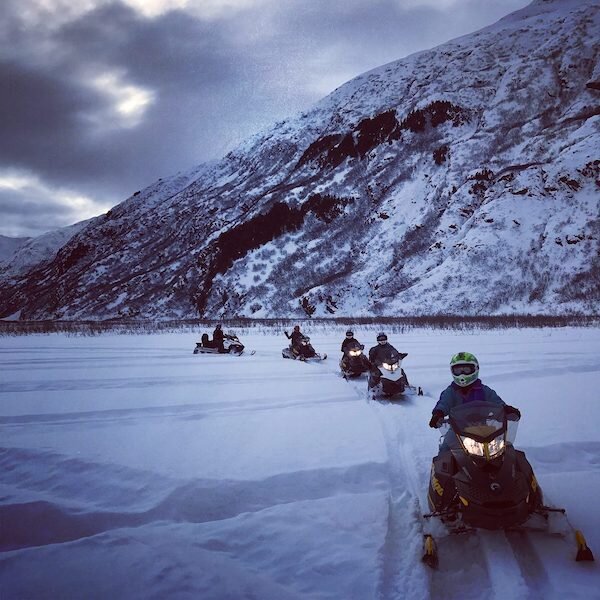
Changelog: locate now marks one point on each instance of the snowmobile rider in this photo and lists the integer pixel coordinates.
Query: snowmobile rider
(383, 350)
(466, 387)
(349, 340)
(296, 338)
(350, 343)
(381, 353)
(218, 337)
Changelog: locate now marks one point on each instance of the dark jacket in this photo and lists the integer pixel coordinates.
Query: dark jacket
(218, 337)
(296, 337)
(347, 342)
(454, 395)
(383, 353)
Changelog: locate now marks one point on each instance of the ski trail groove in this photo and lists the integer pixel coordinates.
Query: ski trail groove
(402, 574)
(505, 572)
(532, 567)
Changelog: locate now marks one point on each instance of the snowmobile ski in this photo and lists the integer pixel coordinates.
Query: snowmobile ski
(583, 552)
(417, 389)
(430, 555)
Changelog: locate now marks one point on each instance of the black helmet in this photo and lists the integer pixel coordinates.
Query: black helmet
(381, 338)
(218, 326)
(296, 327)
(349, 334)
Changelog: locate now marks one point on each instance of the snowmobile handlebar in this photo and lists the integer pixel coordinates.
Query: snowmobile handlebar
(438, 419)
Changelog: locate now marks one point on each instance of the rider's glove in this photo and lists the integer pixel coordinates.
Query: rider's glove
(512, 413)
(436, 418)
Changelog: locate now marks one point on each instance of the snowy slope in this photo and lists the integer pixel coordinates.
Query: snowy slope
(463, 179)
(9, 245)
(131, 468)
(29, 252)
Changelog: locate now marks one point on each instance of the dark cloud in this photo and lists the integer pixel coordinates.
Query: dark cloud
(171, 50)
(30, 211)
(42, 114)
(213, 83)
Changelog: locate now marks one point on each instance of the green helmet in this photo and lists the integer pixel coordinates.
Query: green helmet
(464, 368)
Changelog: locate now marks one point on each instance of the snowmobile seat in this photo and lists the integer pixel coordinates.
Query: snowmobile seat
(206, 342)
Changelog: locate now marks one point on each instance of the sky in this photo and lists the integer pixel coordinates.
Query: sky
(101, 98)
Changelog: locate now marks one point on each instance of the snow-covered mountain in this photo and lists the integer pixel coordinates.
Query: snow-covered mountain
(463, 179)
(10, 245)
(18, 255)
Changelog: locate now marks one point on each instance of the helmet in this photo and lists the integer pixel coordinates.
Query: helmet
(381, 338)
(349, 334)
(218, 326)
(296, 327)
(464, 368)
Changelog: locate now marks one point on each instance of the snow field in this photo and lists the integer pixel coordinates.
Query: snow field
(131, 468)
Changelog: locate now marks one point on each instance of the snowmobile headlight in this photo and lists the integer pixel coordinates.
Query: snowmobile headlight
(485, 449)
(355, 352)
(390, 366)
(472, 447)
(496, 446)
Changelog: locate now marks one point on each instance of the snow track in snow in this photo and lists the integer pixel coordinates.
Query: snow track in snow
(401, 571)
(533, 572)
(505, 574)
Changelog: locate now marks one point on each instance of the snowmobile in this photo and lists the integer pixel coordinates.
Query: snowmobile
(304, 352)
(387, 377)
(231, 345)
(482, 482)
(354, 363)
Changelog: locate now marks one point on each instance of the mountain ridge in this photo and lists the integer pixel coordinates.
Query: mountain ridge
(461, 179)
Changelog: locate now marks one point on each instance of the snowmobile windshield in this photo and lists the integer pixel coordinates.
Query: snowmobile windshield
(389, 356)
(354, 349)
(481, 428)
(391, 360)
(482, 421)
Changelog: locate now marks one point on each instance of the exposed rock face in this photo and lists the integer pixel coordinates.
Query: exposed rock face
(464, 179)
